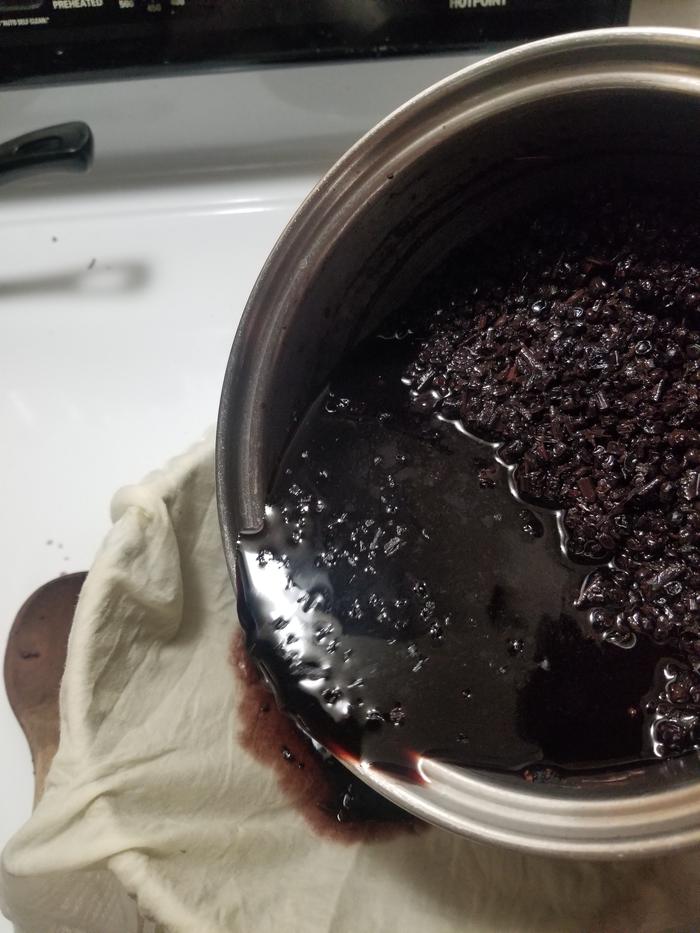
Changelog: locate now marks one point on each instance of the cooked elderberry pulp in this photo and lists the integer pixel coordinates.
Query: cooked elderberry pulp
(483, 541)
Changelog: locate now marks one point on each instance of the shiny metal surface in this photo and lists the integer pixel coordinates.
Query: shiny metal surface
(486, 142)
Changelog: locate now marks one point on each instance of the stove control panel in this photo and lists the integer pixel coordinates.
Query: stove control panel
(56, 40)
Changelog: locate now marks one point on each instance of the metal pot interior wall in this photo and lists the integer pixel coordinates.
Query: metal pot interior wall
(429, 201)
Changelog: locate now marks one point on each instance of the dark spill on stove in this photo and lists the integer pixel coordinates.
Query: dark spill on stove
(483, 542)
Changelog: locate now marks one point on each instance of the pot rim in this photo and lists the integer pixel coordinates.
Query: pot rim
(468, 802)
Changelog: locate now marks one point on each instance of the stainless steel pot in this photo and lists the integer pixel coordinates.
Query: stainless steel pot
(485, 143)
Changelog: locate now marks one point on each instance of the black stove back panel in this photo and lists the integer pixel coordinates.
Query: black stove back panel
(49, 40)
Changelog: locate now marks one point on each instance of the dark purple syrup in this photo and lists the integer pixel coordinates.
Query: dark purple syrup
(422, 585)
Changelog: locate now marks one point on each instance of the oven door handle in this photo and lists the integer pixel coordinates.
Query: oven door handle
(66, 147)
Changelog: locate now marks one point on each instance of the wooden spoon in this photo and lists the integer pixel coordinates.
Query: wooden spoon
(35, 658)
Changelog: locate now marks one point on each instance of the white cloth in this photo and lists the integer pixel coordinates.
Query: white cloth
(154, 809)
